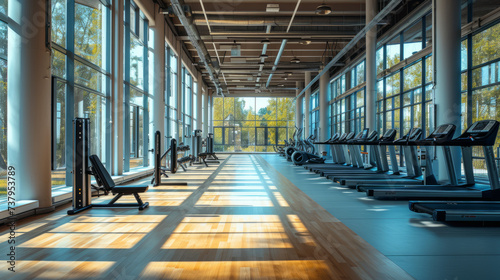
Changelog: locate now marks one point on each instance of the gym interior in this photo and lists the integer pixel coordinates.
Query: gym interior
(290, 139)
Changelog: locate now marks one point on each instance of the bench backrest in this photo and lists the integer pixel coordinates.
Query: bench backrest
(101, 174)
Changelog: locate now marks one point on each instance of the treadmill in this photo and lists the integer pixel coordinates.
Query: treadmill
(336, 157)
(335, 137)
(377, 149)
(370, 139)
(481, 133)
(351, 153)
(340, 149)
(413, 171)
(442, 134)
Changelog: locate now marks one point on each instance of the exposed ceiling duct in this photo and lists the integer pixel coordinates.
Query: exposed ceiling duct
(278, 21)
(194, 37)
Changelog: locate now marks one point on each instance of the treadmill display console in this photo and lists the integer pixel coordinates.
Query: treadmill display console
(481, 127)
(442, 130)
(441, 135)
(334, 138)
(349, 136)
(480, 133)
(414, 134)
(372, 136)
(389, 133)
(364, 133)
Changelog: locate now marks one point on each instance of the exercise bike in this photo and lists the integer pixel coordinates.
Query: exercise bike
(299, 144)
(309, 155)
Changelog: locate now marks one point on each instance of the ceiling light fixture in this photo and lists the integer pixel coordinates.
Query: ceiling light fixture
(265, 42)
(294, 59)
(263, 56)
(305, 42)
(323, 9)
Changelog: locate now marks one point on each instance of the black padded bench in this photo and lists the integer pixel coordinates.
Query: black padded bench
(104, 180)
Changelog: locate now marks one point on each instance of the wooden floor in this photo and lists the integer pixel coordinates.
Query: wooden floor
(237, 220)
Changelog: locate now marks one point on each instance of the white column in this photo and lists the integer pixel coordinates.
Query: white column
(180, 137)
(446, 50)
(211, 111)
(159, 78)
(199, 115)
(117, 87)
(371, 66)
(323, 108)
(205, 114)
(307, 103)
(298, 105)
(29, 102)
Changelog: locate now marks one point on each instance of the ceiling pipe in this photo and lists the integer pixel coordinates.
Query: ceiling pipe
(299, 34)
(283, 44)
(327, 35)
(276, 62)
(245, 20)
(215, 48)
(195, 39)
(383, 13)
(293, 16)
(264, 50)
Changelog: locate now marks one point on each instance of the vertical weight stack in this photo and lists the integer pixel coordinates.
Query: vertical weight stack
(81, 177)
(173, 156)
(157, 159)
(210, 143)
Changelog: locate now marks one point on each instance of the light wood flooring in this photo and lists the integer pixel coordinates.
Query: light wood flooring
(241, 219)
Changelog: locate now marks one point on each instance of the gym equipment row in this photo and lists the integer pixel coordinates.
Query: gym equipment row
(173, 160)
(456, 199)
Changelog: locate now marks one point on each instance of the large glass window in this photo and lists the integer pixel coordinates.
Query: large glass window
(187, 100)
(252, 124)
(171, 91)
(86, 94)
(481, 84)
(3, 106)
(137, 88)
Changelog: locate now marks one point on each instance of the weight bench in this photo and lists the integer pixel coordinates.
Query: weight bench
(203, 157)
(182, 161)
(104, 179)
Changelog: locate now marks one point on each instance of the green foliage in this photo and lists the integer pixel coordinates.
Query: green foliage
(240, 121)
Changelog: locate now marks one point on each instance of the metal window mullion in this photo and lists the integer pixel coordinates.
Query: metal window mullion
(89, 64)
(82, 87)
(109, 104)
(147, 90)
(482, 64)
(126, 89)
(70, 88)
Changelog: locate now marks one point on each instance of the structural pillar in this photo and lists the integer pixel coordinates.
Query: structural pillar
(446, 50)
(199, 116)
(117, 142)
(29, 103)
(159, 79)
(323, 110)
(299, 118)
(371, 66)
(205, 113)
(211, 111)
(180, 120)
(307, 96)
